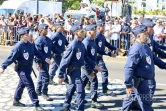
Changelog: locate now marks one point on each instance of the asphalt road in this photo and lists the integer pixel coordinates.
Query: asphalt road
(116, 71)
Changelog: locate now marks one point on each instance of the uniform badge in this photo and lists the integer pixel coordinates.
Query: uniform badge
(26, 55)
(148, 60)
(78, 54)
(100, 43)
(60, 42)
(93, 51)
(46, 49)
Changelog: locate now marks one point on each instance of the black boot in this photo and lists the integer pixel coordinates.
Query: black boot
(52, 82)
(96, 104)
(18, 103)
(46, 97)
(38, 93)
(88, 86)
(39, 108)
(65, 109)
(106, 90)
(85, 101)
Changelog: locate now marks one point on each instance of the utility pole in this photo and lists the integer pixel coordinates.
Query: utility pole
(37, 6)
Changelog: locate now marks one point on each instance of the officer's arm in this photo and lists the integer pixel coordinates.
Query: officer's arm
(39, 57)
(14, 55)
(55, 49)
(65, 62)
(87, 47)
(159, 62)
(161, 53)
(88, 61)
(66, 42)
(132, 61)
(157, 45)
(108, 45)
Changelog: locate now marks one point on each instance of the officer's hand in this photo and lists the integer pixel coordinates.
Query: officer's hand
(119, 50)
(98, 68)
(39, 66)
(129, 90)
(62, 54)
(1, 70)
(113, 55)
(48, 61)
(61, 80)
(92, 75)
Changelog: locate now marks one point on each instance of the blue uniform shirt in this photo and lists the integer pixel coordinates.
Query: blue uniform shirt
(45, 46)
(91, 49)
(102, 43)
(75, 56)
(139, 63)
(23, 53)
(60, 41)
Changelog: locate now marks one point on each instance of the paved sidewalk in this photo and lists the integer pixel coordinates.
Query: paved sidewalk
(8, 84)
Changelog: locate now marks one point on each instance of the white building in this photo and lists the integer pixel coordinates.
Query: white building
(150, 4)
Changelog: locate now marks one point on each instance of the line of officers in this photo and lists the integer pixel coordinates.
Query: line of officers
(86, 54)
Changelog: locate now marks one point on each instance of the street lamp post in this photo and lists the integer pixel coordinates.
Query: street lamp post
(37, 6)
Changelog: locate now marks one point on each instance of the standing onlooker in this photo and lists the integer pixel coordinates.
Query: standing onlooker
(116, 28)
(158, 31)
(107, 10)
(3, 24)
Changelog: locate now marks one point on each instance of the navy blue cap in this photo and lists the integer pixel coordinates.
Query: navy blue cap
(100, 24)
(59, 24)
(139, 29)
(23, 30)
(90, 27)
(76, 27)
(148, 22)
(42, 26)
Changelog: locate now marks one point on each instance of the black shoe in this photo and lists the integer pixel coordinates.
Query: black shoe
(66, 83)
(39, 108)
(96, 105)
(106, 90)
(85, 101)
(18, 103)
(46, 97)
(65, 109)
(88, 86)
(38, 93)
(52, 82)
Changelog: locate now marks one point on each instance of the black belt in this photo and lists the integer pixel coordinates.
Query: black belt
(76, 68)
(141, 78)
(25, 64)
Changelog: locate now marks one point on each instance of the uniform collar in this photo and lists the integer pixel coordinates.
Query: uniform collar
(76, 39)
(89, 38)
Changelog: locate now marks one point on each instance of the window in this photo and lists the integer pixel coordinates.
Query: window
(20, 11)
(143, 4)
(6, 11)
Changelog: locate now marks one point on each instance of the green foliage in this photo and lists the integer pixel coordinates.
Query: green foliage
(98, 2)
(71, 4)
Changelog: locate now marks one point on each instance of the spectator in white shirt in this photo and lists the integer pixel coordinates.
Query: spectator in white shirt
(115, 33)
(158, 31)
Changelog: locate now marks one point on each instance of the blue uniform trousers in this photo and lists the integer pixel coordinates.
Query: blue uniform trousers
(94, 83)
(75, 84)
(26, 81)
(55, 64)
(141, 96)
(152, 86)
(104, 73)
(43, 79)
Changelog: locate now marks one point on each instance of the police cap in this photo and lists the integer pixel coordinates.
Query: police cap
(42, 26)
(148, 22)
(76, 27)
(139, 29)
(90, 27)
(59, 24)
(101, 24)
(23, 30)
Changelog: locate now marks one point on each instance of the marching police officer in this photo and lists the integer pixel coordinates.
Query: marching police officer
(60, 42)
(140, 68)
(155, 47)
(23, 52)
(45, 46)
(101, 44)
(74, 57)
(89, 74)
